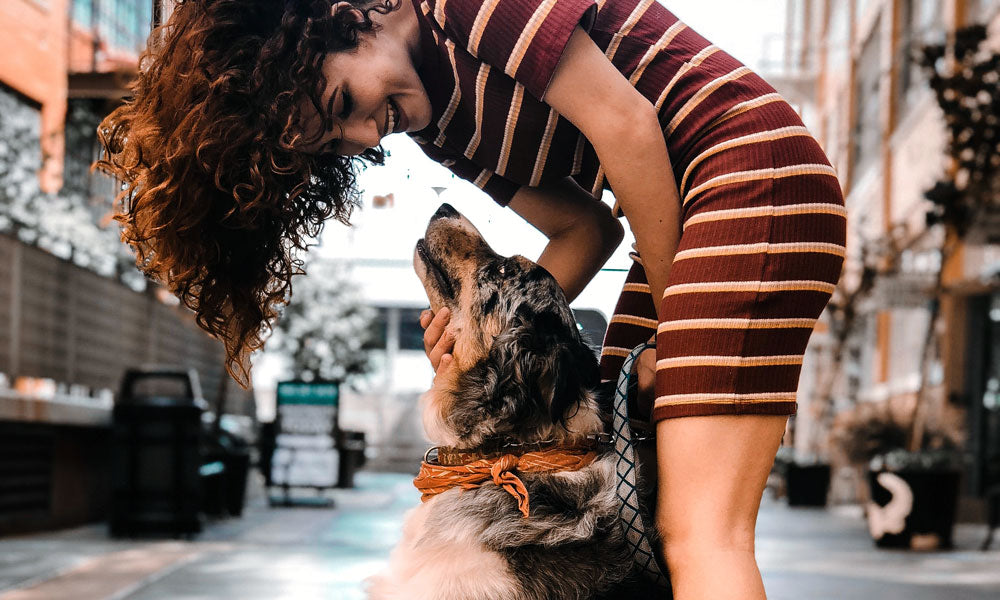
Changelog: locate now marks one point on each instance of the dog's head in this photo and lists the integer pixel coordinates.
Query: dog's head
(521, 370)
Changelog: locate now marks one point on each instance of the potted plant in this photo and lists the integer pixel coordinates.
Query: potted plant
(913, 493)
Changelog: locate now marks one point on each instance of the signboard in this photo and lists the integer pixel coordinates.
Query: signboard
(305, 453)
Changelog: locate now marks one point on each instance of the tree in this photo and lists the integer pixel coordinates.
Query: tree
(323, 329)
(965, 77)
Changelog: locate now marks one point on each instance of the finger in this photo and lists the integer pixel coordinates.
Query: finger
(447, 360)
(425, 318)
(444, 345)
(432, 333)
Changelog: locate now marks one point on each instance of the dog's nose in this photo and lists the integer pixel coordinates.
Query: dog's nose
(445, 211)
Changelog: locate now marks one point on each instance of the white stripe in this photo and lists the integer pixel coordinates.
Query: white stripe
(439, 13)
(664, 41)
(673, 399)
(746, 106)
(511, 125)
(456, 96)
(598, 182)
(760, 248)
(543, 148)
(703, 93)
(578, 155)
(761, 174)
(723, 287)
(728, 361)
(766, 211)
(615, 351)
(527, 35)
(696, 60)
(763, 136)
(479, 25)
(627, 26)
(634, 320)
(691, 324)
(483, 178)
(484, 72)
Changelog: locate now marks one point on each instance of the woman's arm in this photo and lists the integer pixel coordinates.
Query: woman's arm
(711, 469)
(623, 127)
(582, 232)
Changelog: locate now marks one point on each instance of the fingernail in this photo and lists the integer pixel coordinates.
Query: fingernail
(444, 311)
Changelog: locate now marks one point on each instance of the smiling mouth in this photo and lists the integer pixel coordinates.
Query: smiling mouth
(434, 270)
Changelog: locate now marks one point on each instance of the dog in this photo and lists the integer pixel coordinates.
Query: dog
(522, 379)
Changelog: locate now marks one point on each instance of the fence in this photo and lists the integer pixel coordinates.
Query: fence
(61, 321)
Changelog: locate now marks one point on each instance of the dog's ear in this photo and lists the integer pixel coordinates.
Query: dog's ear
(538, 366)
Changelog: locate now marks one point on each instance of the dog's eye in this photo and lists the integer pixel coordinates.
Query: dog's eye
(503, 269)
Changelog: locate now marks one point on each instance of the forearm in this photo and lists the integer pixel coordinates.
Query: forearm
(582, 232)
(576, 256)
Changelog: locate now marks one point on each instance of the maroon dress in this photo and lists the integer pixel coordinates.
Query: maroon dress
(763, 219)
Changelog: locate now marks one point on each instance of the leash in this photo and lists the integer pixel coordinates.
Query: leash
(635, 523)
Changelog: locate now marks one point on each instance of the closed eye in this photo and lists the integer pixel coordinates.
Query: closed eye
(347, 105)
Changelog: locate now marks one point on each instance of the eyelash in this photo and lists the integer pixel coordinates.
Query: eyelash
(348, 105)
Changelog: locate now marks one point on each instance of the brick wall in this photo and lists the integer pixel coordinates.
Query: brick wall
(36, 32)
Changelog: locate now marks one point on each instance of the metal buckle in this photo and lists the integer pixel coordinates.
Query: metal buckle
(428, 453)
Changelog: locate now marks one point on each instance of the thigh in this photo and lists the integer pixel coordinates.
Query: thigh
(761, 251)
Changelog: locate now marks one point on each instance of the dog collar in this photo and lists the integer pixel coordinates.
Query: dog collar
(502, 470)
(451, 456)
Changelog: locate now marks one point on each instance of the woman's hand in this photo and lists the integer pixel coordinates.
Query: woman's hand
(438, 341)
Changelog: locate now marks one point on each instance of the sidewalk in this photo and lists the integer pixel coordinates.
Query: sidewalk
(316, 553)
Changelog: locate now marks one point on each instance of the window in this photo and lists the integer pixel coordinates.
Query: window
(919, 24)
(411, 334)
(838, 34)
(378, 331)
(867, 129)
(121, 24)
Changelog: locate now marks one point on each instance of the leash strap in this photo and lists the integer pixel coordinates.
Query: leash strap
(634, 522)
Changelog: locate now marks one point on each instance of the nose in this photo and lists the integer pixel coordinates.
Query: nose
(359, 135)
(445, 211)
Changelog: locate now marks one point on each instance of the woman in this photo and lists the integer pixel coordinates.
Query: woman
(237, 145)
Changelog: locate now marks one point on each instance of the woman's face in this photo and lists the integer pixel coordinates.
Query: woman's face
(374, 87)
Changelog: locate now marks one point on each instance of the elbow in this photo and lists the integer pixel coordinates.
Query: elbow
(611, 231)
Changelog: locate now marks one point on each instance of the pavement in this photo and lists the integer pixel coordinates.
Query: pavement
(313, 552)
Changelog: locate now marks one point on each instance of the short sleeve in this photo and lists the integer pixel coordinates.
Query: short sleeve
(500, 189)
(525, 38)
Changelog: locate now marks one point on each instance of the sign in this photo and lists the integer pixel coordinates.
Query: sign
(305, 453)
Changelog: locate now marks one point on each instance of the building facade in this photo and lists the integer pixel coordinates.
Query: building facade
(851, 65)
(74, 311)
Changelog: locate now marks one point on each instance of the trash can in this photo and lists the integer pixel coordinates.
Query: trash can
(351, 446)
(156, 442)
(228, 457)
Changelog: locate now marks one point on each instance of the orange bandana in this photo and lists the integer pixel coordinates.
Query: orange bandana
(434, 479)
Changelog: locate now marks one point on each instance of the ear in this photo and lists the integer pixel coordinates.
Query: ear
(572, 371)
(540, 366)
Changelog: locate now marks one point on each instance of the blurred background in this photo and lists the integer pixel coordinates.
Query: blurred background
(131, 467)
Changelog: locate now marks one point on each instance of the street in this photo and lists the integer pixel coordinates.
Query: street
(306, 553)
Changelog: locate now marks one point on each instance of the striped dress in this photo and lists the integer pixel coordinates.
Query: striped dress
(763, 219)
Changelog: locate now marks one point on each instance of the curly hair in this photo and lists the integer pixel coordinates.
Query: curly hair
(217, 195)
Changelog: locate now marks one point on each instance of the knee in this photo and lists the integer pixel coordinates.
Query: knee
(695, 538)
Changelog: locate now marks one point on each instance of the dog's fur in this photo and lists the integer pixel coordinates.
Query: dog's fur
(521, 372)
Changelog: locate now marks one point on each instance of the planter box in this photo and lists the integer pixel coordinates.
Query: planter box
(913, 509)
(807, 485)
